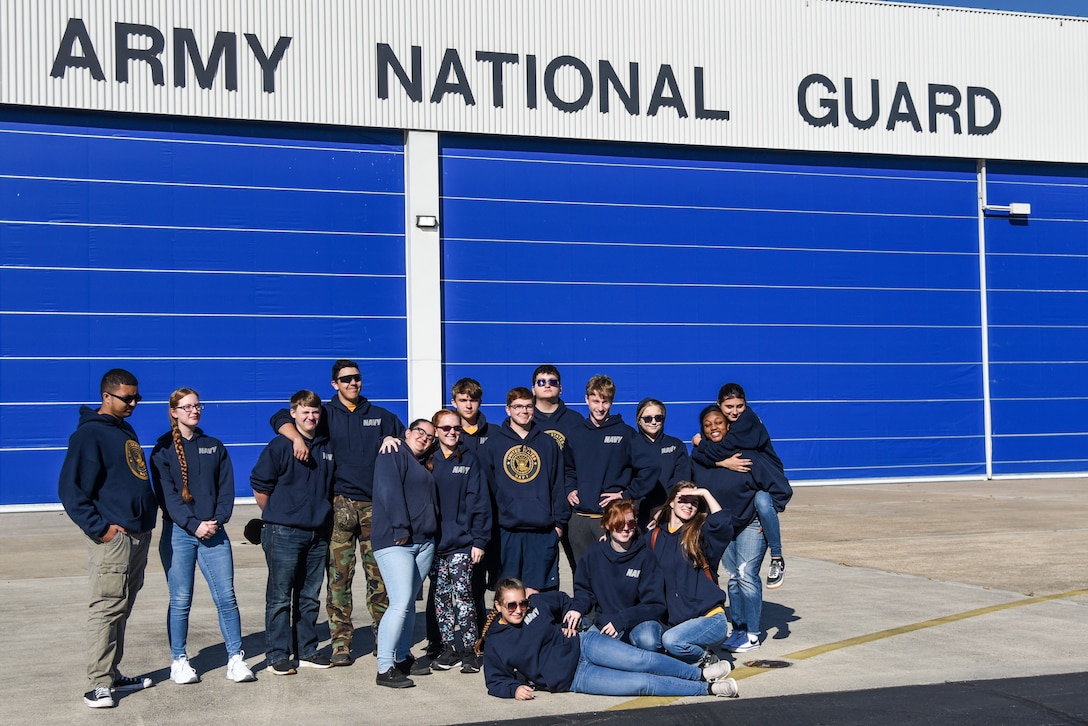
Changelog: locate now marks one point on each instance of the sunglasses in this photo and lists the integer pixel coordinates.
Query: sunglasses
(628, 526)
(447, 429)
(547, 382)
(517, 605)
(353, 378)
(658, 418)
(689, 499)
(127, 400)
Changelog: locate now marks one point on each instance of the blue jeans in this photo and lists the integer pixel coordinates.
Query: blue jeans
(403, 569)
(768, 517)
(292, 599)
(687, 641)
(181, 552)
(743, 558)
(608, 667)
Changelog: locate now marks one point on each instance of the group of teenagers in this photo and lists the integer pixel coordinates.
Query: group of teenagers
(470, 504)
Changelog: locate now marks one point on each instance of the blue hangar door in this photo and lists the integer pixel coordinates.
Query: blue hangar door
(842, 293)
(1037, 270)
(236, 260)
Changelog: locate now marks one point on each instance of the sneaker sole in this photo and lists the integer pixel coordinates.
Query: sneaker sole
(194, 679)
(396, 684)
(127, 688)
(288, 672)
(443, 667)
(244, 679)
(102, 703)
(774, 586)
(746, 648)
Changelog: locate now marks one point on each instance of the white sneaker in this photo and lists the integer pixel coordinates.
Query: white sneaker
(717, 670)
(725, 688)
(238, 671)
(181, 672)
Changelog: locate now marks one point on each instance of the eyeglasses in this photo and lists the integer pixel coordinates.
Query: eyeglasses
(422, 432)
(547, 382)
(689, 499)
(657, 418)
(127, 400)
(627, 526)
(198, 407)
(521, 407)
(519, 605)
(447, 429)
(355, 377)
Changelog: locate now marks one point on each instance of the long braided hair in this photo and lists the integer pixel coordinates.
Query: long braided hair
(502, 586)
(175, 431)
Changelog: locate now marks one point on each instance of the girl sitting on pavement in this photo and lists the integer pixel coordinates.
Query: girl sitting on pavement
(529, 649)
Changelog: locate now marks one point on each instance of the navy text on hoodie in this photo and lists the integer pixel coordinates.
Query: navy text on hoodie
(626, 587)
(464, 502)
(211, 480)
(356, 435)
(537, 649)
(299, 492)
(606, 461)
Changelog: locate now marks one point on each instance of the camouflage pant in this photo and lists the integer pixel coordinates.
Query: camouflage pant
(351, 526)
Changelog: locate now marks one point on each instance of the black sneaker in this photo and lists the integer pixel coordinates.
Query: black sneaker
(776, 573)
(470, 662)
(341, 657)
(99, 698)
(129, 683)
(282, 668)
(315, 661)
(412, 667)
(448, 659)
(393, 678)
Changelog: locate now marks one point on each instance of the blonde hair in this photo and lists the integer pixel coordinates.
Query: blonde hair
(504, 585)
(175, 431)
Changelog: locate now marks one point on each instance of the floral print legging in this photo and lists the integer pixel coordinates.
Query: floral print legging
(453, 604)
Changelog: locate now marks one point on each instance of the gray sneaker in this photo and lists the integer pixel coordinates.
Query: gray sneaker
(716, 671)
(776, 573)
(726, 688)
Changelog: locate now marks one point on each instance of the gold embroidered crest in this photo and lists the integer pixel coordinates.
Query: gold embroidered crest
(558, 436)
(134, 455)
(521, 464)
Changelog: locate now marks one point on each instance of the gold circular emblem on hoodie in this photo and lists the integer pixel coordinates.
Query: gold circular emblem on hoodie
(558, 436)
(521, 464)
(134, 455)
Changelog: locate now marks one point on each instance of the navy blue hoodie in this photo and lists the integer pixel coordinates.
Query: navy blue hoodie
(734, 490)
(605, 461)
(689, 593)
(474, 441)
(560, 424)
(356, 436)
(525, 477)
(672, 459)
(103, 480)
(299, 492)
(627, 588)
(211, 480)
(536, 649)
(464, 502)
(749, 436)
(405, 500)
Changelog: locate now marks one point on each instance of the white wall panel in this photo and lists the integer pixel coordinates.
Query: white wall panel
(754, 55)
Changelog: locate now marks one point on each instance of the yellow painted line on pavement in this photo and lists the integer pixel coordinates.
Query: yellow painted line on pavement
(747, 672)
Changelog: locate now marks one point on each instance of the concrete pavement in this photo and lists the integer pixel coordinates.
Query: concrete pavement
(888, 586)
